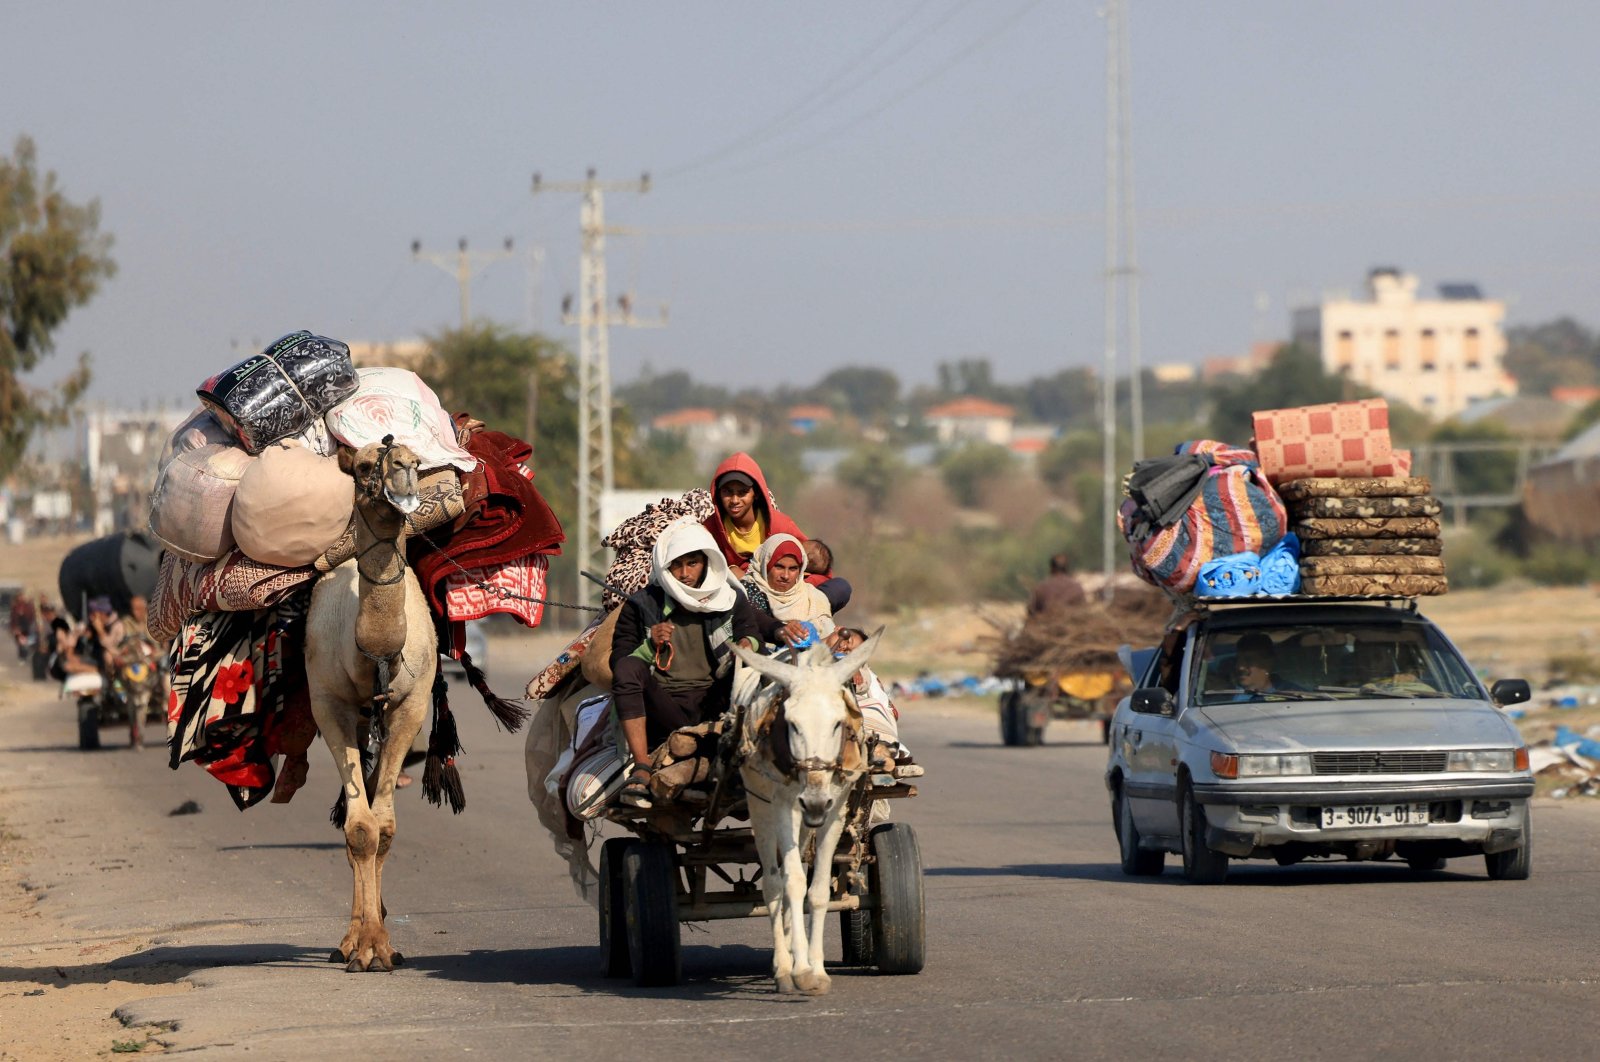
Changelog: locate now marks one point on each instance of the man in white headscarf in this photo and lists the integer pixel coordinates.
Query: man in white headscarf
(672, 654)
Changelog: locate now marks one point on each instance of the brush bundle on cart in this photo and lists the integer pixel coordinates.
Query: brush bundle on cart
(1083, 638)
(252, 508)
(1320, 505)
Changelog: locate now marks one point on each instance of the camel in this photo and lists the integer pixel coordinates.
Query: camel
(805, 753)
(375, 685)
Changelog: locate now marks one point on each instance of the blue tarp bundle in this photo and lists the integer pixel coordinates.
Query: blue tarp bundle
(1246, 574)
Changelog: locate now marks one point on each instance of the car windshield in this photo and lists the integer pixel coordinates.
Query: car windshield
(1330, 661)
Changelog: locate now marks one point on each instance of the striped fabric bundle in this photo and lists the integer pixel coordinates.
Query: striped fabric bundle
(1237, 511)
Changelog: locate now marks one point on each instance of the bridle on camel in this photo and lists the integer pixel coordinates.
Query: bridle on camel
(383, 674)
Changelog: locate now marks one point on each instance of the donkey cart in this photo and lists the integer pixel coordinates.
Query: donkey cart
(690, 860)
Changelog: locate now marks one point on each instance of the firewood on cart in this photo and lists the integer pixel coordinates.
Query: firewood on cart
(1085, 637)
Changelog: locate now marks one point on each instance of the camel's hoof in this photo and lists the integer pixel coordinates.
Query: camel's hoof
(820, 988)
(338, 956)
(397, 959)
(805, 981)
(785, 985)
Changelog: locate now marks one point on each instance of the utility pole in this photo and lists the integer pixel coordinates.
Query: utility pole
(1121, 276)
(596, 468)
(463, 264)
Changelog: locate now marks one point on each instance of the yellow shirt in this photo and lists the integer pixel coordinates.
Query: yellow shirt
(746, 542)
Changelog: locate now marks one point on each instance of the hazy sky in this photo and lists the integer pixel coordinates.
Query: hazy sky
(897, 183)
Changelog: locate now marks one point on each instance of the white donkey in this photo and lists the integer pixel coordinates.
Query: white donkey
(803, 750)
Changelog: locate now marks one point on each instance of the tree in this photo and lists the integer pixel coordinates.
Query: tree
(52, 260)
(968, 469)
(484, 370)
(1560, 353)
(1294, 377)
(870, 394)
(872, 472)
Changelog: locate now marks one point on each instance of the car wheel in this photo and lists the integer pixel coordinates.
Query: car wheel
(1517, 864)
(1136, 862)
(1201, 865)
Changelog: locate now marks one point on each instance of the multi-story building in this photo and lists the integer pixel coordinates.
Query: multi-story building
(1436, 355)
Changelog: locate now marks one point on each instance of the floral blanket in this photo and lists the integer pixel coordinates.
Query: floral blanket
(239, 695)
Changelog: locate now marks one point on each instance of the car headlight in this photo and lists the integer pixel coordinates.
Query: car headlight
(1256, 765)
(1482, 760)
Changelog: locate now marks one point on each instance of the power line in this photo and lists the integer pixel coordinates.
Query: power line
(937, 72)
(826, 91)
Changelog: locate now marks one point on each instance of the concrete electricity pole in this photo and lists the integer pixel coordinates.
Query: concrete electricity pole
(1122, 275)
(463, 264)
(596, 467)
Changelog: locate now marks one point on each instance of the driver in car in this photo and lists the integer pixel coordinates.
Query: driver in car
(1253, 668)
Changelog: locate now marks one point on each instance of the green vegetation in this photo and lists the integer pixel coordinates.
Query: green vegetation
(53, 258)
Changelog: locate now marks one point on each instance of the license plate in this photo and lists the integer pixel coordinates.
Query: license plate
(1374, 815)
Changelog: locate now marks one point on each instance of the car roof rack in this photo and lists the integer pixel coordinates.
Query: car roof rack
(1203, 604)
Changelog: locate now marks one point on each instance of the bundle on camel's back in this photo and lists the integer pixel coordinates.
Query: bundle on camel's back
(1085, 637)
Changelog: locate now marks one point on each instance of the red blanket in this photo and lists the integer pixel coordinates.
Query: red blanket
(506, 519)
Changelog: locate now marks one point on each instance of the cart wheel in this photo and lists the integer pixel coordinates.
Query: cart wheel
(855, 934)
(898, 932)
(614, 961)
(88, 725)
(650, 893)
(1030, 735)
(1010, 718)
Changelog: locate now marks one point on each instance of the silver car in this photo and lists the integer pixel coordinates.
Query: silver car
(1295, 730)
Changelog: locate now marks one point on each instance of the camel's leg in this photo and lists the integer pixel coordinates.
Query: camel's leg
(821, 880)
(405, 720)
(360, 828)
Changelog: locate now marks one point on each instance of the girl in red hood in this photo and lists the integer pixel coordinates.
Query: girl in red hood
(746, 515)
(746, 512)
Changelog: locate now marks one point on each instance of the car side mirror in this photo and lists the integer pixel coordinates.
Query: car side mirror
(1153, 700)
(1510, 691)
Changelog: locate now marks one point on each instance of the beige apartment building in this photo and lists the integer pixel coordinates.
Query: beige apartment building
(1436, 355)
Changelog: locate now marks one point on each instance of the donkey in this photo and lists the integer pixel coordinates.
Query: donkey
(802, 752)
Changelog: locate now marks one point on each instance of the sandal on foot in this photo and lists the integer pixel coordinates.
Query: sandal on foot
(636, 794)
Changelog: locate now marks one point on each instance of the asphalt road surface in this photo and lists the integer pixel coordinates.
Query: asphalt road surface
(1037, 946)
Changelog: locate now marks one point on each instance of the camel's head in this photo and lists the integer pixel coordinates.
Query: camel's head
(816, 716)
(386, 470)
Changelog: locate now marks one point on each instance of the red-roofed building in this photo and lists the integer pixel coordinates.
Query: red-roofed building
(972, 420)
(1575, 396)
(803, 420)
(709, 432)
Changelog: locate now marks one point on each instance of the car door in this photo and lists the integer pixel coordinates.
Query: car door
(1149, 747)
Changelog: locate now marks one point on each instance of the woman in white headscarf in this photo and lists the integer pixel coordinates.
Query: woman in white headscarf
(776, 585)
(672, 653)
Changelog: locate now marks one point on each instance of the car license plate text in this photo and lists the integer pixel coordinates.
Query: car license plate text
(1375, 815)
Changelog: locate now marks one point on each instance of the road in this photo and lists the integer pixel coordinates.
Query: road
(1037, 946)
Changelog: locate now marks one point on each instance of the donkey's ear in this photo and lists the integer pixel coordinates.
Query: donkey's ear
(843, 669)
(765, 665)
(347, 460)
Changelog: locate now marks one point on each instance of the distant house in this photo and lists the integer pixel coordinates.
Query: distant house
(1524, 416)
(1577, 397)
(1435, 355)
(709, 433)
(1562, 495)
(1258, 357)
(409, 354)
(803, 420)
(972, 420)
